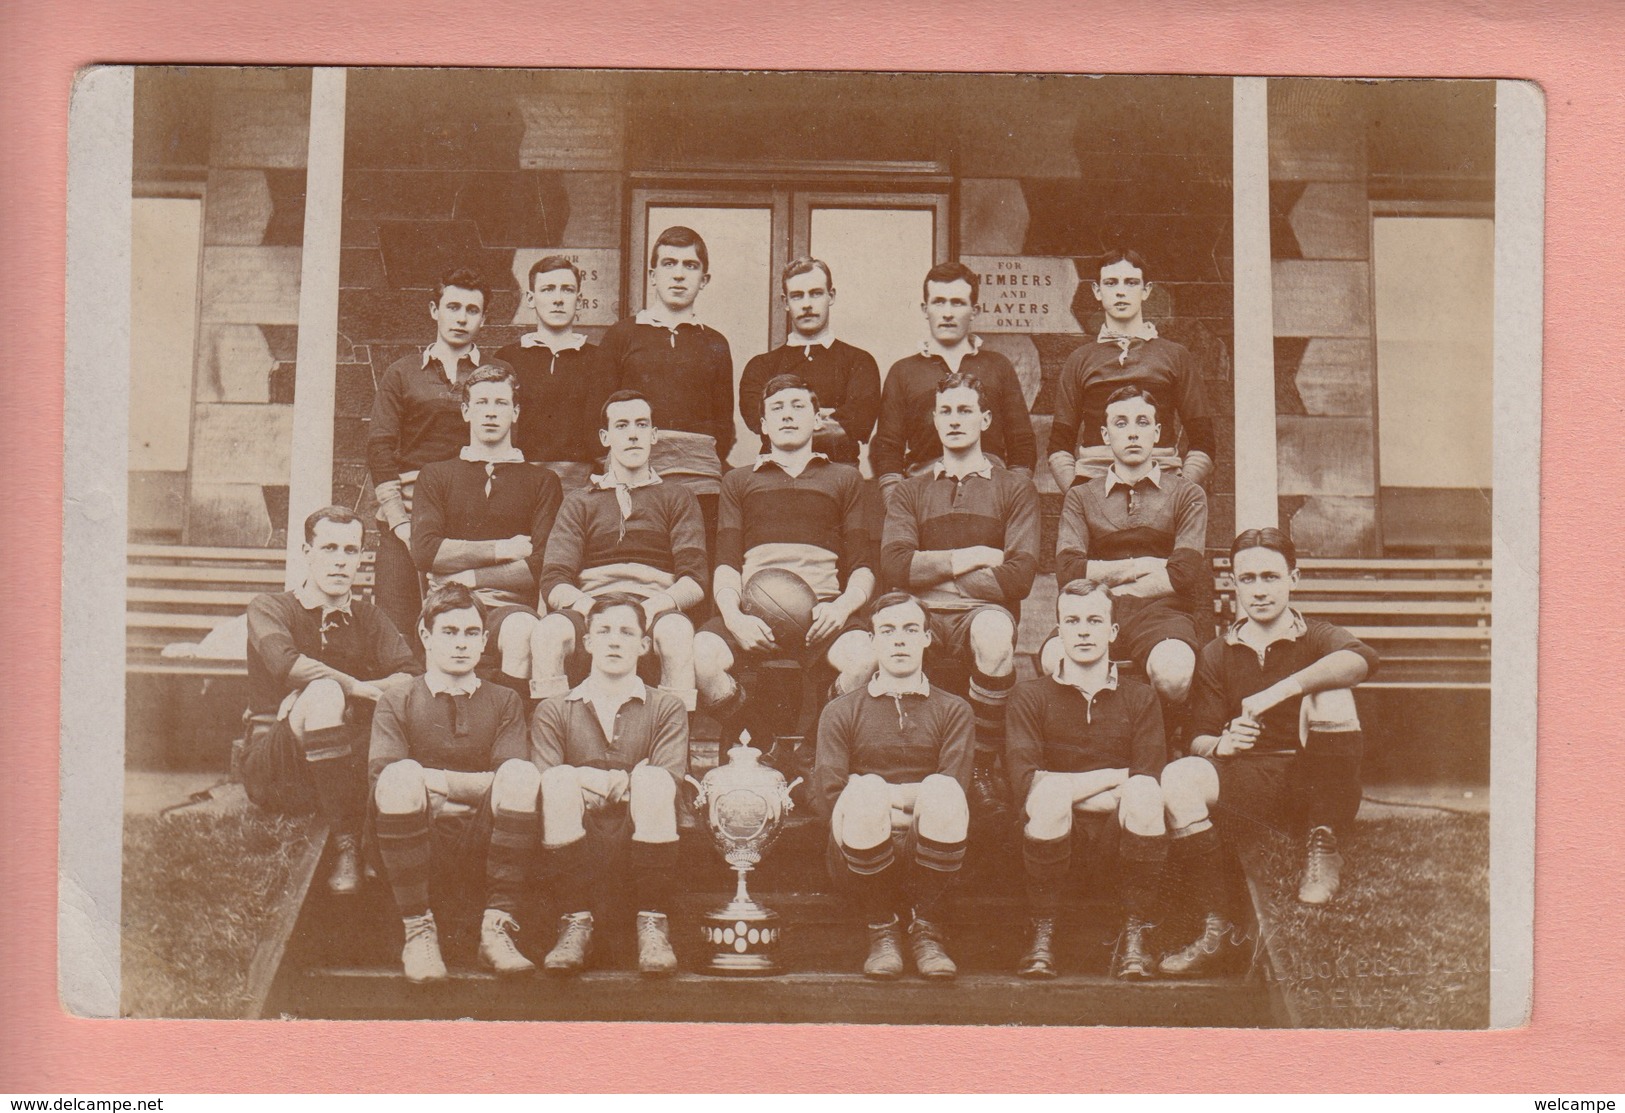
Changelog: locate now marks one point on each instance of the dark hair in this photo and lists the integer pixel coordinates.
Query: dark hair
(448, 597)
(552, 263)
(1083, 585)
(787, 382)
(679, 236)
(805, 264)
(964, 380)
(1271, 538)
(1128, 393)
(622, 396)
(464, 279)
(894, 599)
(612, 599)
(951, 272)
(489, 373)
(1125, 255)
(342, 515)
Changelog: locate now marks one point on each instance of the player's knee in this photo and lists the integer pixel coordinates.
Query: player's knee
(652, 783)
(516, 786)
(1332, 710)
(1049, 656)
(513, 639)
(1140, 806)
(993, 642)
(553, 635)
(853, 652)
(673, 635)
(321, 703)
(941, 810)
(1049, 808)
(560, 789)
(400, 789)
(711, 654)
(1170, 667)
(1187, 786)
(866, 797)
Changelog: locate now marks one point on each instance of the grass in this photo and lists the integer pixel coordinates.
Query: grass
(200, 889)
(1406, 944)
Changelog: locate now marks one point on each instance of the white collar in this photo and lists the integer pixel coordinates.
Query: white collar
(939, 468)
(437, 351)
(824, 338)
(474, 455)
(443, 684)
(1115, 480)
(930, 347)
(1059, 676)
(595, 688)
(310, 599)
(1109, 335)
(554, 343)
(1297, 629)
(660, 318)
(606, 482)
(885, 685)
(768, 458)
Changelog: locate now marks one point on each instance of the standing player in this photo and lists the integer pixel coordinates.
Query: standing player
(963, 535)
(626, 531)
(612, 754)
(895, 756)
(682, 366)
(416, 420)
(482, 520)
(1276, 738)
(1141, 533)
(1128, 351)
(794, 510)
(846, 379)
(562, 378)
(905, 442)
(319, 660)
(448, 752)
(1085, 751)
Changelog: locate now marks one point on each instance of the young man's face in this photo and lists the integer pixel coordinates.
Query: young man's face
(900, 638)
(555, 296)
(788, 418)
(1121, 291)
(807, 298)
(615, 639)
(333, 556)
(628, 433)
(959, 418)
(1131, 430)
(678, 276)
(949, 310)
(454, 643)
(1263, 583)
(458, 315)
(490, 412)
(1087, 630)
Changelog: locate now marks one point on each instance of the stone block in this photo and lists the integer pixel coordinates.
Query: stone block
(594, 209)
(401, 194)
(251, 285)
(1317, 131)
(228, 514)
(234, 364)
(237, 207)
(361, 267)
(417, 253)
(260, 128)
(1332, 220)
(287, 225)
(1020, 350)
(350, 438)
(1325, 456)
(282, 382)
(1333, 526)
(1322, 298)
(237, 443)
(515, 209)
(353, 390)
(1334, 378)
(992, 217)
(571, 131)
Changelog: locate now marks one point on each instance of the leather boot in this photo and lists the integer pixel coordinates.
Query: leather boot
(656, 959)
(497, 949)
(1132, 959)
(1039, 961)
(1204, 953)
(574, 944)
(885, 961)
(346, 876)
(420, 957)
(925, 939)
(1322, 868)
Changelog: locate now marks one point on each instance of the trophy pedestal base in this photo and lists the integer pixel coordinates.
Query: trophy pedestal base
(743, 938)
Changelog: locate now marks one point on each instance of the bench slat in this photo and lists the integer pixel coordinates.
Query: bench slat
(1467, 608)
(1311, 587)
(1380, 634)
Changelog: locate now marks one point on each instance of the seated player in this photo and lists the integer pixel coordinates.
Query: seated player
(1128, 351)
(626, 531)
(894, 757)
(963, 535)
(482, 520)
(1142, 533)
(447, 752)
(793, 510)
(1086, 749)
(562, 378)
(846, 379)
(319, 660)
(612, 754)
(1276, 739)
(905, 442)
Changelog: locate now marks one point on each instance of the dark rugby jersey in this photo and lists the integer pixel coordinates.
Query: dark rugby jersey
(687, 373)
(1159, 515)
(932, 514)
(560, 394)
(903, 739)
(1053, 726)
(451, 505)
(1099, 367)
(842, 376)
(363, 644)
(593, 549)
(463, 733)
(906, 438)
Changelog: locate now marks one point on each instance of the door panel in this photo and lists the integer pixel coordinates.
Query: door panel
(879, 258)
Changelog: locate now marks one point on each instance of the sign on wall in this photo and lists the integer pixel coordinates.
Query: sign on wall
(600, 282)
(1025, 293)
(571, 131)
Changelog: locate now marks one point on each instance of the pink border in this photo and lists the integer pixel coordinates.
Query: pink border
(1571, 1045)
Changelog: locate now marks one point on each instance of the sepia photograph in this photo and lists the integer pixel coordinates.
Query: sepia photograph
(814, 547)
